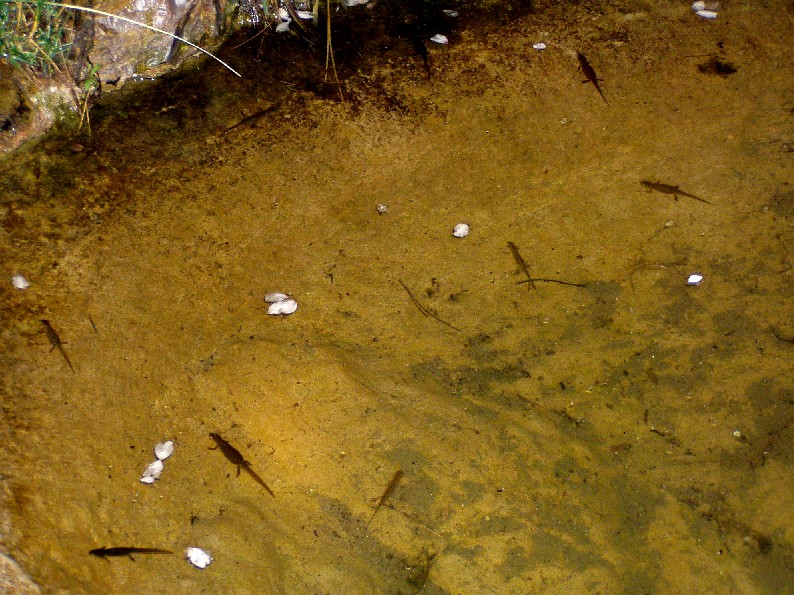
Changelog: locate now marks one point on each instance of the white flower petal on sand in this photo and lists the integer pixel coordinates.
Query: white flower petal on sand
(152, 472)
(461, 230)
(20, 282)
(198, 557)
(276, 296)
(163, 450)
(694, 279)
(283, 308)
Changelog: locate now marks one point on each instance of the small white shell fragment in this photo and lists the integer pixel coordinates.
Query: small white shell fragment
(304, 14)
(461, 230)
(276, 296)
(539, 46)
(20, 282)
(283, 308)
(283, 14)
(438, 38)
(198, 557)
(152, 472)
(699, 5)
(694, 279)
(382, 209)
(163, 450)
(706, 14)
(282, 27)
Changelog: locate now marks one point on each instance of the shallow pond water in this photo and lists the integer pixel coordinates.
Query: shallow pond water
(604, 428)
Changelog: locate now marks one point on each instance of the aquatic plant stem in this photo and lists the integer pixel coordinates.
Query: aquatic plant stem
(155, 29)
(329, 51)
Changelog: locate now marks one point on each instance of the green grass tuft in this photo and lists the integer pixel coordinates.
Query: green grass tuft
(34, 34)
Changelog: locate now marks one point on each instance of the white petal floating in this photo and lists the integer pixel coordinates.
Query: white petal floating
(272, 298)
(20, 282)
(461, 230)
(163, 450)
(694, 279)
(198, 557)
(152, 472)
(283, 308)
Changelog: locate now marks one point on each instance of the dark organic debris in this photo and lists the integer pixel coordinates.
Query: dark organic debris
(718, 67)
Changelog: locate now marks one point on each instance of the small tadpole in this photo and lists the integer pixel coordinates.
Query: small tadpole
(56, 342)
(115, 552)
(522, 264)
(386, 493)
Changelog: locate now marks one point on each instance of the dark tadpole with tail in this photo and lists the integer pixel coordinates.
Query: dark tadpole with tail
(56, 342)
(235, 457)
(119, 551)
(590, 75)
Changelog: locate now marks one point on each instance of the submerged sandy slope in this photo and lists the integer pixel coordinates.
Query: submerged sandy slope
(630, 435)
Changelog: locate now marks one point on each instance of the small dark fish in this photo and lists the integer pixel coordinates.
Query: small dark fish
(55, 341)
(236, 458)
(590, 75)
(387, 493)
(674, 190)
(114, 552)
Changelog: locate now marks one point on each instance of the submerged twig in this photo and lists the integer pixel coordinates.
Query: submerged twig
(425, 311)
(555, 281)
(329, 50)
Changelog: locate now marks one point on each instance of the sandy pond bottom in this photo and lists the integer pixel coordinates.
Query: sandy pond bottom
(629, 435)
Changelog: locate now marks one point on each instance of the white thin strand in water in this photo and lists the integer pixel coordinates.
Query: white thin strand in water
(126, 20)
